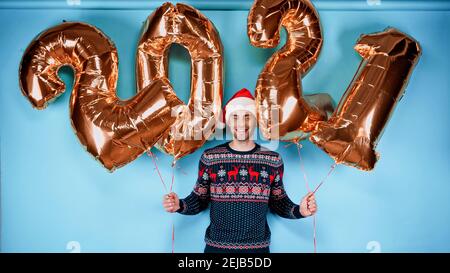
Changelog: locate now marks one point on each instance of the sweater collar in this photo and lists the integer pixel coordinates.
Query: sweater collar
(231, 150)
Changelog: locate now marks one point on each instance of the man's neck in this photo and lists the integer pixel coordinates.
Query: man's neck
(242, 145)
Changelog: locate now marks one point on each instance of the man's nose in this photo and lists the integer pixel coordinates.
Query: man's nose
(241, 122)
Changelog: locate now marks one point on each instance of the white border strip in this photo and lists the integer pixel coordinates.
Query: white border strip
(364, 5)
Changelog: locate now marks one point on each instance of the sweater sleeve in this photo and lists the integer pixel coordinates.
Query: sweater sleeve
(199, 198)
(279, 201)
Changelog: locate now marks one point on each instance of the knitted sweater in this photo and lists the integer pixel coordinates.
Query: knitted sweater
(241, 188)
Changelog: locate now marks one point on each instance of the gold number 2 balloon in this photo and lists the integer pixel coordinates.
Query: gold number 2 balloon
(186, 26)
(283, 113)
(114, 131)
(352, 133)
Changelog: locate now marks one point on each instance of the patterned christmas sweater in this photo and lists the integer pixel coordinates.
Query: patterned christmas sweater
(241, 188)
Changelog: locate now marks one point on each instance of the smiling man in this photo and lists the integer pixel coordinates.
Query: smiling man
(242, 181)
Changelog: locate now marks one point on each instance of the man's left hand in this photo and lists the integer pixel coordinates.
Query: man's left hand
(308, 205)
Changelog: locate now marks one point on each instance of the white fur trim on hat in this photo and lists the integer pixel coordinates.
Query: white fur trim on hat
(240, 103)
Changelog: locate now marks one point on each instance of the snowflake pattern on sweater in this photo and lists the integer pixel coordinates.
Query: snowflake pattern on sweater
(241, 188)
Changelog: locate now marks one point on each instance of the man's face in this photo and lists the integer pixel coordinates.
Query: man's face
(242, 124)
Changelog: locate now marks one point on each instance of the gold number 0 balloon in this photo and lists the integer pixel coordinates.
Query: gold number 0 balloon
(352, 133)
(115, 132)
(184, 25)
(283, 113)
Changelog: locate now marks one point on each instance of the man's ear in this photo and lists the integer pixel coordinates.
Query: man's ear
(221, 125)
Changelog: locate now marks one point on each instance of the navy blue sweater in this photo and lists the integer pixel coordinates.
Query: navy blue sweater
(241, 188)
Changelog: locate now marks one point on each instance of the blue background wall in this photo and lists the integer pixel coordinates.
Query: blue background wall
(55, 196)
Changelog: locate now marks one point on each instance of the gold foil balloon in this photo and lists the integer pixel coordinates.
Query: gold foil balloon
(283, 113)
(114, 131)
(186, 26)
(352, 133)
(323, 102)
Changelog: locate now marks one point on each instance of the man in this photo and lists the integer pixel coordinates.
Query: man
(242, 181)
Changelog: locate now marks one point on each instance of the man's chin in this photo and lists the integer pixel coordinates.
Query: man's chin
(239, 137)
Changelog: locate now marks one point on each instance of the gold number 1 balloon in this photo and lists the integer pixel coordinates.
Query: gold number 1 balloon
(352, 133)
(283, 113)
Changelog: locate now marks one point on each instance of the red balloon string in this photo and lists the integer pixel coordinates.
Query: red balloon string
(152, 155)
(328, 174)
(174, 163)
(173, 224)
(157, 169)
(302, 167)
(173, 237)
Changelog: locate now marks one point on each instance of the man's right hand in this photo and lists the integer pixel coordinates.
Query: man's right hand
(171, 202)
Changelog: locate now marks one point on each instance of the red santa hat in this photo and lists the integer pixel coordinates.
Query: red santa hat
(242, 100)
